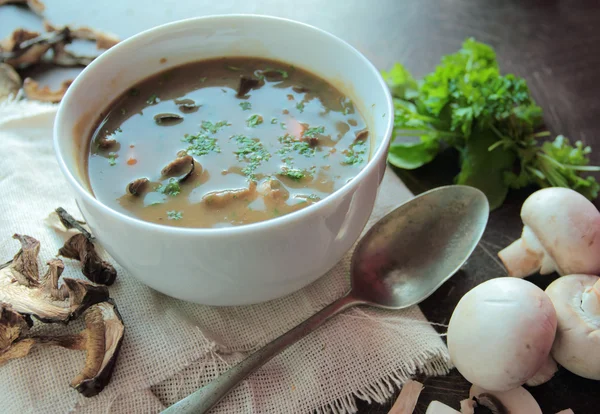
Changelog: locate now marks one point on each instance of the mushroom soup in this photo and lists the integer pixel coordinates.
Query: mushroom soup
(225, 142)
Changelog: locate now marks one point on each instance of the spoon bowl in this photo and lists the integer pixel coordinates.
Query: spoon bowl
(399, 262)
(413, 250)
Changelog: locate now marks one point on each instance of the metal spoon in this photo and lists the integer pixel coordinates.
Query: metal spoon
(401, 260)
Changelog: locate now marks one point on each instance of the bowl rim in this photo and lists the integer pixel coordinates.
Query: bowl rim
(246, 228)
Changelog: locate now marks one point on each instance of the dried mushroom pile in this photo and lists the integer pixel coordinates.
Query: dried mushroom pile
(24, 294)
(24, 49)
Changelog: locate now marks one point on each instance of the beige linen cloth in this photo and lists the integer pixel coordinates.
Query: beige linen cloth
(172, 347)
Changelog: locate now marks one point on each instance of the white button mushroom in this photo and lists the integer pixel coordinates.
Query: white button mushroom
(501, 333)
(576, 299)
(436, 407)
(561, 233)
(515, 401)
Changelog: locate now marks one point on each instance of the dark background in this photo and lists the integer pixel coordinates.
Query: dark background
(554, 45)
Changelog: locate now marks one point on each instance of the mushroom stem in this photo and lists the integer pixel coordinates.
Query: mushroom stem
(436, 407)
(590, 299)
(519, 260)
(544, 374)
(407, 400)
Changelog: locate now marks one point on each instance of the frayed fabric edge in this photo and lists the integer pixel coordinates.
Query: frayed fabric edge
(434, 363)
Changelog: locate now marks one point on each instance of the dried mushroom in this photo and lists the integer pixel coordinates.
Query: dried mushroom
(300, 89)
(21, 287)
(167, 119)
(23, 48)
(35, 5)
(103, 40)
(179, 166)
(69, 222)
(45, 94)
(137, 187)
(246, 84)
(79, 247)
(218, 199)
(13, 330)
(10, 82)
(187, 105)
(361, 136)
(101, 339)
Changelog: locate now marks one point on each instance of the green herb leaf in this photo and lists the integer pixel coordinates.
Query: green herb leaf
(152, 100)
(174, 215)
(252, 152)
(293, 173)
(213, 128)
(289, 144)
(172, 188)
(400, 82)
(274, 120)
(354, 154)
(300, 106)
(313, 132)
(490, 118)
(411, 155)
(254, 120)
(484, 169)
(201, 144)
(112, 159)
(245, 105)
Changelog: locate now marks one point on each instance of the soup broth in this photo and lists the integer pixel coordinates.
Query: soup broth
(225, 142)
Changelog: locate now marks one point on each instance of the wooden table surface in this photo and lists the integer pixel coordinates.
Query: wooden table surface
(553, 44)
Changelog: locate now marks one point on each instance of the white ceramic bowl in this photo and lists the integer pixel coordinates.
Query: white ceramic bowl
(235, 265)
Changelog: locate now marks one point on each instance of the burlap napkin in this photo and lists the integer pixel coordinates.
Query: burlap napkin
(172, 347)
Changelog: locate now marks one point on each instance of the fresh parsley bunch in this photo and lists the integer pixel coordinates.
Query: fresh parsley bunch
(491, 119)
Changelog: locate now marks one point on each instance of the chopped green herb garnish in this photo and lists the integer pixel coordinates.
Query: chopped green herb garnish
(282, 124)
(201, 144)
(118, 130)
(291, 144)
(254, 120)
(274, 120)
(354, 154)
(300, 106)
(245, 105)
(276, 212)
(172, 188)
(313, 132)
(203, 79)
(152, 100)
(293, 173)
(314, 197)
(112, 159)
(134, 92)
(252, 151)
(213, 128)
(348, 106)
(174, 215)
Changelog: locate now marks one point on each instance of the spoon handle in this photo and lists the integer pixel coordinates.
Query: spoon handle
(208, 396)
